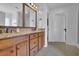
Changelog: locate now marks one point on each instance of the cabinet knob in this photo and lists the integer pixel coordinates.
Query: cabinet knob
(11, 51)
(17, 48)
(34, 51)
(34, 42)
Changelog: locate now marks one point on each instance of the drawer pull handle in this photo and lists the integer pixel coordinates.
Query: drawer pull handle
(34, 51)
(17, 48)
(11, 51)
(34, 42)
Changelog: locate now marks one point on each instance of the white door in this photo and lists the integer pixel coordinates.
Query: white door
(59, 26)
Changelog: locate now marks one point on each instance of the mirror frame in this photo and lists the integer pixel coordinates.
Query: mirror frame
(24, 5)
(23, 18)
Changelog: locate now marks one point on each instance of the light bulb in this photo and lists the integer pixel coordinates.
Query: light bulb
(32, 4)
(36, 7)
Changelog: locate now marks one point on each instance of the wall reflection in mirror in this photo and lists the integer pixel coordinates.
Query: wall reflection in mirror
(30, 17)
(11, 14)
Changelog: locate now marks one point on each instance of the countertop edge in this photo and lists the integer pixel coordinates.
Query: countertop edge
(13, 35)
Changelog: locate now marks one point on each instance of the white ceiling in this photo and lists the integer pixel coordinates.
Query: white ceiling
(57, 5)
(12, 5)
(51, 6)
(41, 6)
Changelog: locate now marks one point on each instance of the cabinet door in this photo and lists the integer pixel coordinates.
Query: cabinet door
(41, 40)
(22, 49)
(8, 52)
(40, 43)
(6, 43)
(33, 43)
(34, 51)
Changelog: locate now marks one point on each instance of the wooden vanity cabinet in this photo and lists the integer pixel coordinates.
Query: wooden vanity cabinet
(7, 42)
(23, 45)
(34, 51)
(8, 51)
(15, 46)
(41, 40)
(33, 44)
(22, 49)
(7, 47)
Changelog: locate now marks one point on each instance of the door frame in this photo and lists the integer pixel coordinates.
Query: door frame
(49, 25)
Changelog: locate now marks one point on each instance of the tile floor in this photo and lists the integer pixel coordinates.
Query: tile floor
(59, 49)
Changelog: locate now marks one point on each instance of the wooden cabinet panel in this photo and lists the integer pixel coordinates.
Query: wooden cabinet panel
(41, 33)
(34, 51)
(8, 52)
(5, 43)
(33, 35)
(41, 40)
(23, 49)
(40, 43)
(24, 45)
(33, 43)
(27, 48)
(21, 38)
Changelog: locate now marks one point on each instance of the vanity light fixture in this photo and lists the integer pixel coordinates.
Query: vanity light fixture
(36, 7)
(33, 5)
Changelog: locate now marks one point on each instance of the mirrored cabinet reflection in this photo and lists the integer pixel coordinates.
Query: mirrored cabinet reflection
(29, 17)
(11, 14)
(14, 14)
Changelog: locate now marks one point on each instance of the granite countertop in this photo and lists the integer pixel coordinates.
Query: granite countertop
(7, 35)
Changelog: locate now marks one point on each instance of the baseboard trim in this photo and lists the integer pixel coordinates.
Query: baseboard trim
(66, 43)
(72, 44)
(56, 42)
(45, 45)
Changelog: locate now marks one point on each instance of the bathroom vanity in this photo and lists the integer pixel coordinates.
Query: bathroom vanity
(13, 42)
(21, 44)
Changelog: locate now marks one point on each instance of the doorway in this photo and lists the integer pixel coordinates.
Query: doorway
(57, 28)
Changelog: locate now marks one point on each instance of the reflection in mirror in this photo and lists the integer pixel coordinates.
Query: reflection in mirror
(10, 14)
(30, 20)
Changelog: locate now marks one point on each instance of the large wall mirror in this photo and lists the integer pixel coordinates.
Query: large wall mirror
(29, 16)
(17, 14)
(11, 14)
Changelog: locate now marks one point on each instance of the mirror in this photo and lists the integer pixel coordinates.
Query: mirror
(11, 14)
(29, 16)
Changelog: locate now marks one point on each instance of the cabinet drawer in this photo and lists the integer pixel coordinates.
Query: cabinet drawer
(40, 43)
(6, 43)
(34, 51)
(33, 35)
(23, 49)
(41, 34)
(21, 38)
(8, 52)
(25, 43)
(33, 43)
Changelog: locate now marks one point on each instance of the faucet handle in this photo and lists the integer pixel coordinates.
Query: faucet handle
(0, 31)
